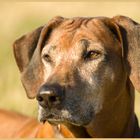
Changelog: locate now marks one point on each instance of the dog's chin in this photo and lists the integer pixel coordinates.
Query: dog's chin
(55, 120)
(66, 122)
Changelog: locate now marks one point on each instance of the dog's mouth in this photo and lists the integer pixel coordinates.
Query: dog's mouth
(53, 119)
(56, 119)
(64, 116)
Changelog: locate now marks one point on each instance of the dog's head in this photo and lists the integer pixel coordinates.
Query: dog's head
(78, 67)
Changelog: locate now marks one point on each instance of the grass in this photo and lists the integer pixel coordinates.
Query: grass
(19, 18)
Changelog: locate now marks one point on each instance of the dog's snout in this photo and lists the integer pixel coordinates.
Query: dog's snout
(50, 95)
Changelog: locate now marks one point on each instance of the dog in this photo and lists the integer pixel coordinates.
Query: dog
(16, 125)
(83, 72)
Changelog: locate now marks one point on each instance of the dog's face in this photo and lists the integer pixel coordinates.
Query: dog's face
(81, 66)
(78, 68)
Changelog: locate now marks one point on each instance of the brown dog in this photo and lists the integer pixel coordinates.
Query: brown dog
(15, 125)
(83, 72)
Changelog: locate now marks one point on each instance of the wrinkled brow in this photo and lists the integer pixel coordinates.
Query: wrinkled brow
(49, 48)
(82, 46)
(85, 43)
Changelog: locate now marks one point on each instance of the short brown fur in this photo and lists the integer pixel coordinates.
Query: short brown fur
(93, 63)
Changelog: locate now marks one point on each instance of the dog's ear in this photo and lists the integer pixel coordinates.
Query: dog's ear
(27, 50)
(130, 34)
(24, 48)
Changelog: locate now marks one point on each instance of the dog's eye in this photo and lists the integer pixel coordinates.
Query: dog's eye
(91, 55)
(47, 58)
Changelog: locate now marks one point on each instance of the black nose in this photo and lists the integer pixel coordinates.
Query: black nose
(50, 95)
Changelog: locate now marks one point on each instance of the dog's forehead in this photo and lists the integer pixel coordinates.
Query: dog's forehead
(72, 31)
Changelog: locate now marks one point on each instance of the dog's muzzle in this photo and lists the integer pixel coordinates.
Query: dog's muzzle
(50, 96)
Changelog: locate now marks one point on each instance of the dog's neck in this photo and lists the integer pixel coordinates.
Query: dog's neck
(131, 130)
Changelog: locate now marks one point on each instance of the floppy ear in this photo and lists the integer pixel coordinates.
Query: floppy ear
(24, 48)
(27, 50)
(130, 33)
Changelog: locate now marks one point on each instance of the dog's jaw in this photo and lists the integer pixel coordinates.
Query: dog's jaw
(67, 127)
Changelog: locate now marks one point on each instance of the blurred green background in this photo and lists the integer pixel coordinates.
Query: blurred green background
(20, 17)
